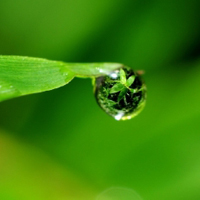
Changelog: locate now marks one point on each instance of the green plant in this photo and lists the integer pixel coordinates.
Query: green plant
(24, 75)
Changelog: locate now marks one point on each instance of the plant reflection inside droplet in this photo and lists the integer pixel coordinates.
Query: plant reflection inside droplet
(121, 94)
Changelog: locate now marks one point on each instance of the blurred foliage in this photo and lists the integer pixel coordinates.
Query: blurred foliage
(60, 145)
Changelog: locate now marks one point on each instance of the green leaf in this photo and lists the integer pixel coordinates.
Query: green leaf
(122, 76)
(25, 75)
(111, 103)
(122, 94)
(132, 90)
(116, 88)
(130, 80)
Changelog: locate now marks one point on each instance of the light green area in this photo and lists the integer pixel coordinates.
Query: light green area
(28, 173)
(117, 193)
(52, 136)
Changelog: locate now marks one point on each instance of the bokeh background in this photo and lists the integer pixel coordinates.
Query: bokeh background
(61, 145)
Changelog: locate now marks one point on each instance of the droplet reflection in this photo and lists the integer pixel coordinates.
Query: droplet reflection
(121, 94)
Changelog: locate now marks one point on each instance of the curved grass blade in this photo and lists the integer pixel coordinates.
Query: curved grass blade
(25, 75)
(92, 69)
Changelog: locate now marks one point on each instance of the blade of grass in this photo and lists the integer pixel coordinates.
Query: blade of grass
(25, 75)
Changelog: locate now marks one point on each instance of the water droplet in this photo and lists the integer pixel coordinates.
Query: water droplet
(121, 94)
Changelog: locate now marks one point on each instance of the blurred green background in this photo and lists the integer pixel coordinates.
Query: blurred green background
(61, 145)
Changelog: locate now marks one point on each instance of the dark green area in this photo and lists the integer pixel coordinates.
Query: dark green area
(156, 154)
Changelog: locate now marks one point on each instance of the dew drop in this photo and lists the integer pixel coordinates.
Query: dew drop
(121, 94)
